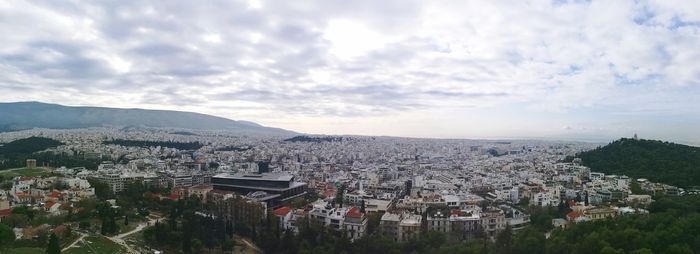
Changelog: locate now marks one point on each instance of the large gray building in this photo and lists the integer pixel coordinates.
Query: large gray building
(277, 187)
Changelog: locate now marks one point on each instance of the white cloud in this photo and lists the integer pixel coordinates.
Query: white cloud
(289, 63)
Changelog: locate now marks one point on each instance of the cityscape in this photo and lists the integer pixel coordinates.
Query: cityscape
(343, 127)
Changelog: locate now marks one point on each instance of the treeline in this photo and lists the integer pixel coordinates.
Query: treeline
(184, 133)
(146, 143)
(234, 148)
(314, 139)
(658, 161)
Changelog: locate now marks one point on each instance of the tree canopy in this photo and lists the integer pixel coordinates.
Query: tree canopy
(657, 161)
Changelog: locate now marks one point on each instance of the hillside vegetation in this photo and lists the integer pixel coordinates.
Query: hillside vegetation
(28, 146)
(657, 161)
(16, 153)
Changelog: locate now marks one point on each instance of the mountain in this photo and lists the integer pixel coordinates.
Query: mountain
(657, 161)
(26, 115)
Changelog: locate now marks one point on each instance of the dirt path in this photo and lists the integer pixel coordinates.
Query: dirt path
(250, 245)
(119, 239)
(75, 242)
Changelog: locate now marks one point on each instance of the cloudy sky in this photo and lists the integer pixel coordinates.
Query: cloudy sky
(586, 70)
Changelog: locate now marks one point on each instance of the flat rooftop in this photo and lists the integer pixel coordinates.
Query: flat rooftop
(260, 177)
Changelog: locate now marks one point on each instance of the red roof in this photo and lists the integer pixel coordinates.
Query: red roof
(573, 215)
(282, 211)
(55, 194)
(58, 230)
(5, 212)
(354, 213)
(329, 193)
(173, 196)
(49, 204)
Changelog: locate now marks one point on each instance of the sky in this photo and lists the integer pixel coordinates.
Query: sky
(573, 70)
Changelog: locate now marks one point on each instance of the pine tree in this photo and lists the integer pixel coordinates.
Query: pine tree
(339, 196)
(53, 247)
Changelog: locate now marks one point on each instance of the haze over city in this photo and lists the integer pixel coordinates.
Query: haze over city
(574, 70)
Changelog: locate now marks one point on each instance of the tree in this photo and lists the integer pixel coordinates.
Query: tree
(340, 196)
(197, 245)
(228, 245)
(6, 186)
(84, 225)
(53, 247)
(373, 221)
(102, 190)
(7, 236)
(435, 239)
(504, 240)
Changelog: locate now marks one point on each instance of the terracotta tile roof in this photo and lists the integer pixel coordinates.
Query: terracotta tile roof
(55, 194)
(354, 213)
(5, 212)
(49, 204)
(58, 230)
(573, 215)
(282, 211)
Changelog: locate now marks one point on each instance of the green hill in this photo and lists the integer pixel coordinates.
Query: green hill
(28, 146)
(657, 161)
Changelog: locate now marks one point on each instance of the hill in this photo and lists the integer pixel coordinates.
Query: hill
(27, 115)
(657, 161)
(28, 146)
